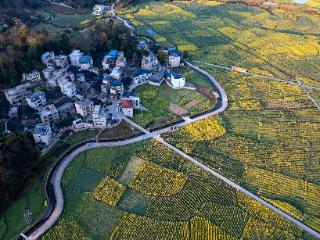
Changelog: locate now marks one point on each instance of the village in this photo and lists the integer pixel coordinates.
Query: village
(73, 93)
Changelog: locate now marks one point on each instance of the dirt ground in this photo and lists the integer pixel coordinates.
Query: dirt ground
(132, 169)
(176, 109)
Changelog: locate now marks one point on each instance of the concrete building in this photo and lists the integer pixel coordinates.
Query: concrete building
(49, 114)
(42, 133)
(99, 116)
(65, 108)
(68, 88)
(16, 95)
(33, 76)
(141, 75)
(121, 62)
(86, 62)
(174, 59)
(100, 9)
(61, 61)
(48, 58)
(116, 89)
(143, 45)
(116, 73)
(48, 72)
(84, 107)
(106, 83)
(127, 107)
(36, 100)
(149, 62)
(74, 57)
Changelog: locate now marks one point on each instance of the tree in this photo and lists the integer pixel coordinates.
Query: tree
(18, 156)
(162, 57)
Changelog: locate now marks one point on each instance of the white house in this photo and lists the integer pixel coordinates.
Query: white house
(99, 116)
(84, 107)
(74, 57)
(34, 76)
(177, 80)
(116, 73)
(86, 62)
(127, 107)
(16, 95)
(49, 114)
(69, 89)
(47, 58)
(133, 98)
(100, 9)
(36, 100)
(42, 133)
(61, 61)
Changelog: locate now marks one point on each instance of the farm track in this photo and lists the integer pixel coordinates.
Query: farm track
(53, 186)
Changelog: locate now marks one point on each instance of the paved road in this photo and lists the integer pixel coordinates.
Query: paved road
(258, 75)
(57, 176)
(55, 180)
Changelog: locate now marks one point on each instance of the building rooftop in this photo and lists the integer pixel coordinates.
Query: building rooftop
(115, 83)
(113, 53)
(128, 94)
(42, 129)
(85, 59)
(126, 103)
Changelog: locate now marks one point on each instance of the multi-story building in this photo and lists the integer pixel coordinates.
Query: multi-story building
(149, 62)
(61, 61)
(99, 116)
(33, 76)
(75, 56)
(84, 107)
(42, 133)
(16, 95)
(65, 108)
(36, 100)
(174, 59)
(116, 88)
(177, 80)
(49, 114)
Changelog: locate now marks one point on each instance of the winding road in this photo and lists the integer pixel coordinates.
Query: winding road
(53, 187)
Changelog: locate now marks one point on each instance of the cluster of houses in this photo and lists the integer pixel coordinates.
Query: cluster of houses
(73, 92)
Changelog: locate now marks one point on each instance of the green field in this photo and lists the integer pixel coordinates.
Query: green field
(236, 34)
(157, 101)
(204, 208)
(272, 129)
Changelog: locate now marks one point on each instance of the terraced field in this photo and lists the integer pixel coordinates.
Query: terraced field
(192, 205)
(271, 138)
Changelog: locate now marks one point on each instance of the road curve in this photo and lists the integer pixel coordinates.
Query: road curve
(56, 177)
(55, 180)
